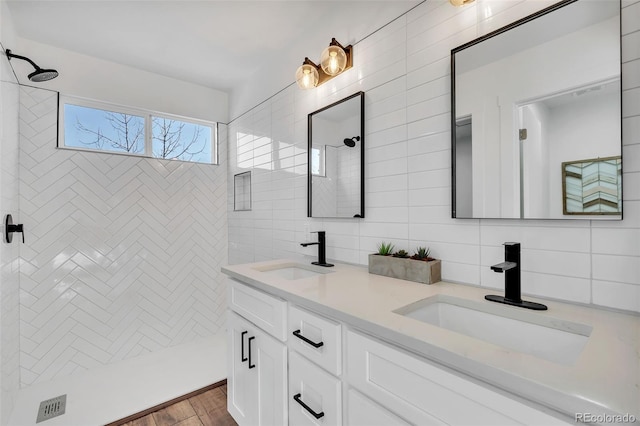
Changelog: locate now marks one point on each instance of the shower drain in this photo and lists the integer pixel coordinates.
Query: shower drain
(51, 408)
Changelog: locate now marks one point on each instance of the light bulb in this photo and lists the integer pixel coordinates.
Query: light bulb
(307, 76)
(460, 2)
(333, 60)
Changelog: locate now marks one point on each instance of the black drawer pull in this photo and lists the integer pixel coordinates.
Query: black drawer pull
(297, 398)
(312, 343)
(243, 358)
(250, 339)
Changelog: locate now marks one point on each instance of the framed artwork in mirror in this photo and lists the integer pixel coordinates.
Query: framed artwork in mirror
(592, 187)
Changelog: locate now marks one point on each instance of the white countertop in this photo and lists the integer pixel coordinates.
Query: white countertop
(605, 379)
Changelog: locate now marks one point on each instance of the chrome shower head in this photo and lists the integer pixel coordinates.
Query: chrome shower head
(39, 75)
(350, 142)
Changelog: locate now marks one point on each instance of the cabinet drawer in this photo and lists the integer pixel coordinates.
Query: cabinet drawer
(426, 394)
(317, 338)
(266, 311)
(361, 411)
(315, 396)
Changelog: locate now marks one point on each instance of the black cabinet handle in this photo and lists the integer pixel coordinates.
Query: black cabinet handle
(311, 342)
(250, 339)
(297, 398)
(242, 346)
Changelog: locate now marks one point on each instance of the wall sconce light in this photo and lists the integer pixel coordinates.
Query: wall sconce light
(460, 2)
(334, 60)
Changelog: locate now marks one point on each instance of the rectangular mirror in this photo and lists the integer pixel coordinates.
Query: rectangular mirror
(531, 97)
(336, 159)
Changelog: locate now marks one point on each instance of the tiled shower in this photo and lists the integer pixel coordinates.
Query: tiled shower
(122, 255)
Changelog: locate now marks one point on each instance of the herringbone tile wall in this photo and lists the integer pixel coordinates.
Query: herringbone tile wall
(122, 254)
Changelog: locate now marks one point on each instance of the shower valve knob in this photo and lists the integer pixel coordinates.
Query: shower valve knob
(10, 228)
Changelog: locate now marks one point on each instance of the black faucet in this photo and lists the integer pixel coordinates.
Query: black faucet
(322, 250)
(511, 269)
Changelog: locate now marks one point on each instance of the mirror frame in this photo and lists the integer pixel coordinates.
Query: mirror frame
(362, 148)
(487, 36)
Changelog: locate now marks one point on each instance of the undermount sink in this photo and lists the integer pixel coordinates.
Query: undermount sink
(528, 332)
(293, 271)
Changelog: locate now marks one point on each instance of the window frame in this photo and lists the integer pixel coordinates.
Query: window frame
(322, 164)
(147, 116)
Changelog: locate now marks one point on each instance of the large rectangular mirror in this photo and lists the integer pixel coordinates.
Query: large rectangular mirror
(336, 159)
(527, 100)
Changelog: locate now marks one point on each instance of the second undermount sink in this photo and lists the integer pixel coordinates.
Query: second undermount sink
(523, 331)
(293, 270)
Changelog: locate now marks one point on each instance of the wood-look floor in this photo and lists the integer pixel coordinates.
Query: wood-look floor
(205, 409)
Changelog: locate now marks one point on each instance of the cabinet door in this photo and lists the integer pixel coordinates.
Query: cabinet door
(427, 394)
(257, 370)
(314, 395)
(268, 358)
(242, 394)
(361, 411)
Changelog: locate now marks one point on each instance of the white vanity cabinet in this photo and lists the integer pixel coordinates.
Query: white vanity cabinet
(256, 360)
(427, 394)
(290, 365)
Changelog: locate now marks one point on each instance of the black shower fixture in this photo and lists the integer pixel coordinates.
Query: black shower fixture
(40, 74)
(350, 142)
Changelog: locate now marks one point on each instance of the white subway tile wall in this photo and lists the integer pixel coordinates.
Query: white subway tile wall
(404, 70)
(122, 254)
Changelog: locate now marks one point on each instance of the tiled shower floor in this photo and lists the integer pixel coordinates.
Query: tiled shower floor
(107, 394)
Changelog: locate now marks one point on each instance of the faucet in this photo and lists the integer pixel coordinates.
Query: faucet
(511, 269)
(322, 249)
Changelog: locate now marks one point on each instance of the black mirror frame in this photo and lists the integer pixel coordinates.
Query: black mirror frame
(362, 149)
(492, 34)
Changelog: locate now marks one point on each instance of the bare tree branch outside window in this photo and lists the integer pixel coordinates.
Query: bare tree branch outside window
(127, 133)
(170, 143)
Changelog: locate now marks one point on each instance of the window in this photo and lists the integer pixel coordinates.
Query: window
(317, 160)
(97, 126)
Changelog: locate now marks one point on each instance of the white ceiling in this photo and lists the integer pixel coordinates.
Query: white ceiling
(217, 44)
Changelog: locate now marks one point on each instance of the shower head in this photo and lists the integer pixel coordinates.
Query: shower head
(350, 142)
(39, 75)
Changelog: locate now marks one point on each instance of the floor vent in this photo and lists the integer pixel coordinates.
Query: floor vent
(51, 408)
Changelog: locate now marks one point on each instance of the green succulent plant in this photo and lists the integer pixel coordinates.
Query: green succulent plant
(422, 253)
(401, 253)
(385, 249)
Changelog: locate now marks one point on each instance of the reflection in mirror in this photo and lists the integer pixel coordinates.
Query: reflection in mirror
(592, 186)
(529, 97)
(336, 159)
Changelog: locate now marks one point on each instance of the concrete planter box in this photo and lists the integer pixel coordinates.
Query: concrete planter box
(405, 268)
